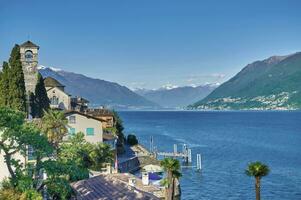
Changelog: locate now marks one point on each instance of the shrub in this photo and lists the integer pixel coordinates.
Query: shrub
(132, 140)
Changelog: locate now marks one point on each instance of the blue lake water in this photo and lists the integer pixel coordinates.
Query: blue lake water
(228, 141)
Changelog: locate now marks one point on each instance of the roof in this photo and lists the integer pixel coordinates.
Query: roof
(51, 82)
(112, 186)
(100, 112)
(107, 136)
(29, 44)
(70, 112)
(79, 100)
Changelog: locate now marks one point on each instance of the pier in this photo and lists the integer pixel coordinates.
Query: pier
(185, 154)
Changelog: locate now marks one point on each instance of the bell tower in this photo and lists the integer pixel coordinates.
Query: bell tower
(29, 59)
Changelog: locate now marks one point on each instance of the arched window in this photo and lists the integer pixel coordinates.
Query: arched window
(28, 56)
(54, 100)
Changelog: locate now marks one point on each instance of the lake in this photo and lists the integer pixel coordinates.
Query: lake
(228, 141)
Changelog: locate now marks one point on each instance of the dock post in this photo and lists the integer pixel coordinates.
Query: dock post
(175, 149)
(151, 145)
(199, 162)
(184, 149)
(189, 155)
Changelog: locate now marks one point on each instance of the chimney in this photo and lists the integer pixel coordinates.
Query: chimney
(132, 181)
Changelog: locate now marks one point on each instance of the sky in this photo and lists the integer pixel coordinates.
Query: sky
(152, 43)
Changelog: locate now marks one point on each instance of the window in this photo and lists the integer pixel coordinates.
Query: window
(71, 131)
(90, 131)
(72, 120)
(54, 100)
(28, 56)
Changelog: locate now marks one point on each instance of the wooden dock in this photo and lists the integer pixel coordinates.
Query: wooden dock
(185, 154)
(172, 154)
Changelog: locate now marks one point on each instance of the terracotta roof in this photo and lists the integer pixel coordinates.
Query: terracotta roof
(51, 82)
(100, 112)
(70, 112)
(109, 187)
(29, 44)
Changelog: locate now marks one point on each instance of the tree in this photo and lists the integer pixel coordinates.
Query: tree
(119, 132)
(258, 170)
(172, 168)
(132, 139)
(17, 92)
(33, 108)
(53, 125)
(4, 85)
(41, 98)
(11, 137)
(16, 135)
(101, 154)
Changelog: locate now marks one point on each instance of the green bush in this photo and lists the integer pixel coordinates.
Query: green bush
(31, 195)
(132, 140)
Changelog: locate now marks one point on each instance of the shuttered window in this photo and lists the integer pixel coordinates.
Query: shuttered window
(90, 131)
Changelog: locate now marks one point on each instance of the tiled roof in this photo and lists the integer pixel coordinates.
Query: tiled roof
(29, 44)
(70, 112)
(100, 112)
(51, 82)
(109, 187)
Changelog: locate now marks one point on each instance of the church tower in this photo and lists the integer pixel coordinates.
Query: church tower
(29, 59)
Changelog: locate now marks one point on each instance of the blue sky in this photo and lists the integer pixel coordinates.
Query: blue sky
(140, 43)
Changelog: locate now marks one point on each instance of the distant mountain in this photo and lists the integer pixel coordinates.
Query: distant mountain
(273, 83)
(98, 92)
(176, 97)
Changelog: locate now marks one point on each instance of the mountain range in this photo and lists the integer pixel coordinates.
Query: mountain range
(270, 84)
(176, 97)
(98, 92)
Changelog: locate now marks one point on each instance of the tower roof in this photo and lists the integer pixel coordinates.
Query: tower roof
(51, 82)
(29, 44)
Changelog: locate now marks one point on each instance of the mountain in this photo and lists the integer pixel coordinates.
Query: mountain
(176, 97)
(270, 84)
(98, 92)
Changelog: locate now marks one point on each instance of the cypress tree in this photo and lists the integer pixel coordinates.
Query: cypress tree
(17, 92)
(33, 109)
(4, 85)
(41, 98)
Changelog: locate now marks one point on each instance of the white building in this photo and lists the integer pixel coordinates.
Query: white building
(59, 99)
(88, 125)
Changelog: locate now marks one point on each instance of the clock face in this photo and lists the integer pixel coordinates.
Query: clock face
(28, 56)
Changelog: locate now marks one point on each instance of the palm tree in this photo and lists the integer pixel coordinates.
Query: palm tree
(101, 154)
(258, 170)
(54, 126)
(172, 168)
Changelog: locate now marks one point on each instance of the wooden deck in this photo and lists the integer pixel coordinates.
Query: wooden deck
(172, 154)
